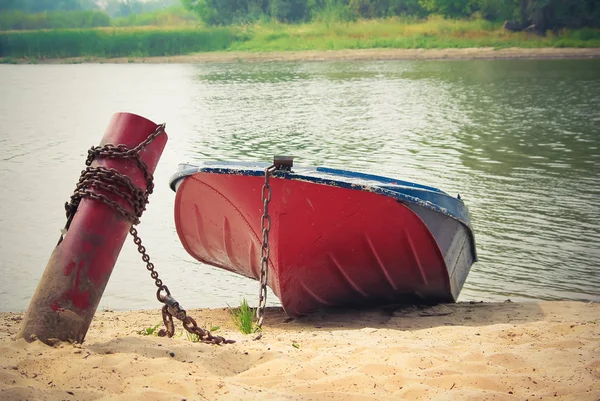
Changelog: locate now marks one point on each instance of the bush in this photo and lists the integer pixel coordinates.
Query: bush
(18, 20)
(114, 42)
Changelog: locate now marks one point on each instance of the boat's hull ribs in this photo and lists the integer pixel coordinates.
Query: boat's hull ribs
(329, 245)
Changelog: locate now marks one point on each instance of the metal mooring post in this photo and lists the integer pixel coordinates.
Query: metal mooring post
(283, 162)
(80, 266)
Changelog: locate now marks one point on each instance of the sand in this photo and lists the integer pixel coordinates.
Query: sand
(480, 53)
(465, 351)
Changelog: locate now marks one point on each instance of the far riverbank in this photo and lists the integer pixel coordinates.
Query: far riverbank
(481, 53)
(386, 39)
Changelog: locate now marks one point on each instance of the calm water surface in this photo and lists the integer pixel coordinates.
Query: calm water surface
(519, 140)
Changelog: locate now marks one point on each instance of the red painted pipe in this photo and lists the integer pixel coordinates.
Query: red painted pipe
(70, 289)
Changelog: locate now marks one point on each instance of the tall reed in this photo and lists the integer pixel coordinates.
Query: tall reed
(137, 42)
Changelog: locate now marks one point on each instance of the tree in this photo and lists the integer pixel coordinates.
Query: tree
(449, 8)
(496, 10)
(38, 6)
(225, 12)
(288, 10)
(407, 8)
(555, 14)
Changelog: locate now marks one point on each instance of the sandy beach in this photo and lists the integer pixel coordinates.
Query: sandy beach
(480, 53)
(465, 351)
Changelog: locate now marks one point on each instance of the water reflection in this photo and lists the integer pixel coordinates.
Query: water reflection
(528, 139)
(518, 140)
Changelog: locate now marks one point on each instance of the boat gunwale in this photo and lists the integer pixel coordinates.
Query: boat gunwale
(390, 190)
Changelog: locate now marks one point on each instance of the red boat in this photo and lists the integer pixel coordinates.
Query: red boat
(337, 238)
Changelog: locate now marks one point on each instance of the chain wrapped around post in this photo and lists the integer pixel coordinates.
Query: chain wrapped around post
(110, 180)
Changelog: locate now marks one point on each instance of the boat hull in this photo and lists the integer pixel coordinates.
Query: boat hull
(329, 245)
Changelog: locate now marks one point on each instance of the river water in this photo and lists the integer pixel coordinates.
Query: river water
(519, 140)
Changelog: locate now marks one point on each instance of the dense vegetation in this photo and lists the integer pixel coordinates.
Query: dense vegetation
(45, 28)
(362, 34)
(537, 15)
(114, 8)
(63, 14)
(138, 42)
(19, 20)
(543, 14)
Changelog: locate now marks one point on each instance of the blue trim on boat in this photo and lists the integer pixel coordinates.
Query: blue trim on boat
(404, 191)
(371, 177)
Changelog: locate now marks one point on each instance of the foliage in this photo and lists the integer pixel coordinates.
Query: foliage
(395, 32)
(18, 20)
(37, 6)
(496, 10)
(403, 33)
(243, 317)
(406, 8)
(543, 15)
(546, 14)
(103, 42)
(172, 16)
(115, 8)
(124, 8)
(192, 337)
(226, 12)
(196, 338)
(150, 331)
(556, 14)
(448, 8)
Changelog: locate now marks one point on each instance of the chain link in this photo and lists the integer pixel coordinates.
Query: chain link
(111, 181)
(265, 225)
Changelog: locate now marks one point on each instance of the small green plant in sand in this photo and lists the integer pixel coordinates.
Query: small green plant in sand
(150, 331)
(243, 317)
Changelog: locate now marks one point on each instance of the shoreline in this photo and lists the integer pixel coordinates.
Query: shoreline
(468, 351)
(480, 53)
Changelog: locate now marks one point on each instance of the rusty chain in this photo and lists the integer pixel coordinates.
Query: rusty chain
(280, 163)
(111, 181)
(265, 226)
(172, 308)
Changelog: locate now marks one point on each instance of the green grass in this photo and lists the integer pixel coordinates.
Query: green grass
(433, 33)
(112, 42)
(150, 331)
(243, 317)
(192, 337)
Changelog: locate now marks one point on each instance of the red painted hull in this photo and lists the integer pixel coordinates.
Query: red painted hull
(330, 246)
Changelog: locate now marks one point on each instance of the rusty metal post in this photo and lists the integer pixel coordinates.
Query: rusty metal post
(80, 266)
